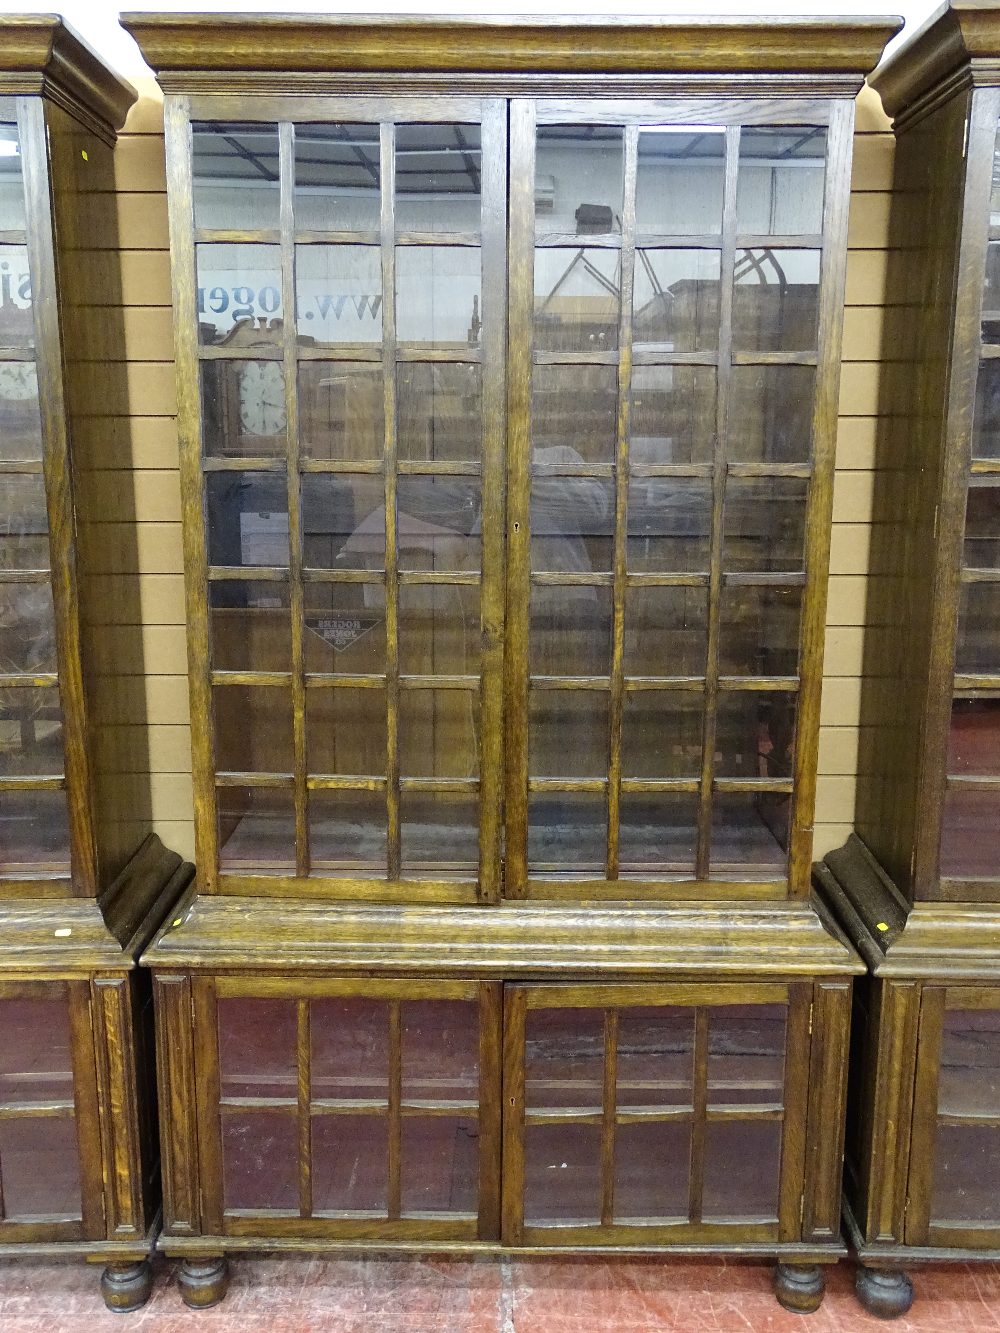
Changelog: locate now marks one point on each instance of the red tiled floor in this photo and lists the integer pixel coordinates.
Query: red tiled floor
(276, 1295)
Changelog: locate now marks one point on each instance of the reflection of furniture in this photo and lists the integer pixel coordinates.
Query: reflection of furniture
(918, 887)
(81, 887)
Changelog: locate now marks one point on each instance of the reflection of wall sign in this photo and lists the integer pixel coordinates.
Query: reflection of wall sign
(339, 629)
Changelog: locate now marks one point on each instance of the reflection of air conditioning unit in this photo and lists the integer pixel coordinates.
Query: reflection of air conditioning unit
(545, 194)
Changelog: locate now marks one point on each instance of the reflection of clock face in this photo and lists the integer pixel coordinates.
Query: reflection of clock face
(262, 398)
(18, 382)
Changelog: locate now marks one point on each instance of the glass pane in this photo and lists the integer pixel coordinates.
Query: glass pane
(253, 729)
(439, 733)
(652, 1172)
(346, 731)
(341, 410)
(759, 631)
(780, 184)
(673, 414)
(27, 627)
(577, 299)
(11, 186)
(438, 295)
(247, 518)
(970, 834)
(237, 285)
(564, 1059)
(33, 1070)
(440, 1050)
(343, 521)
(350, 1163)
(350, 1049)
(567, 832)
(982, 525)
(438, 177)
(765, 524)
(579, 175)
(440, 1170)
(986, 421)
(257, 1047)
(562, 1175)
(776, 300)
(260, 1161)
(680, 180)
(966, 1178)
(439, 523)
(236, 175)
(746, 1055)
(662, 733)
(440, 833)
(439, 633)
(20, 417)
(572, 518)
(974, 738)
(34, 833)
(655, 1065)
(40, 1161)
(749, 835)
(243, 408)
(675, 302)
(337, 177)
(31, 733)
(755, 734)
(347, 832)
(570, 630)
(251, 625)
(568, 733)
(345, 628)
(742, 1170)
(657, 833)
(16, 323)
(338, 294)
(969, 1083)
(574, 409)
(669, 524)
(978, 646)
(439, 412)
(666, 631)
(770, 414)
(24, 523)
(256, 831)
(991, 289)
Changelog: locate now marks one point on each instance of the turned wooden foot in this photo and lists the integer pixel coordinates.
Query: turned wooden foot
(204, 1282)
(884, 1292)
(126, 1287)
(799, 1287)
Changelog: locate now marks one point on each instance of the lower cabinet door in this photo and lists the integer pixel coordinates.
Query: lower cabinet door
(954, 1181)
(657, 1114)
(365, 1109)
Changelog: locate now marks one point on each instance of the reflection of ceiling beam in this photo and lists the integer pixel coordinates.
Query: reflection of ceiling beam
(805, 138)
(242, 151)
(469, 160)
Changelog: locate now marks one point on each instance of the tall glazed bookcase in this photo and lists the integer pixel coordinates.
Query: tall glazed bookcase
(918, 887)
(83, 884)
(507, 360)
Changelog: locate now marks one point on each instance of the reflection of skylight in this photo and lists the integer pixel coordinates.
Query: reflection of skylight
(8, 147)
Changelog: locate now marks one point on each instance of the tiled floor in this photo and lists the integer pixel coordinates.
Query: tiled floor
(270, 1295)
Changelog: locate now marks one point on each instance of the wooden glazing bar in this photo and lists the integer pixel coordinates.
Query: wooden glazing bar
(387, 175)
(12, 681)
(570, 1115)
(367, 467)
(608, 1124)
(439, 682)
(660, 784)
(655, 356)
(232, 1105)
(967, 684)
(261, 352)
(695, 684)
(425, 578)
(283, 780)
(259, 573)
(754, 784)
(775, 359)
(395, 1098)
(342, 352)
(723, 378)
(759, 684)
(13, 236)
(333, 782)
(236, 236)
(547, 358)
(699, 1113)
(568, 784)
(315, 681)
(416, 468)
(802, 470)
(670, 469)
(20, 354)
(742, 580)
(461, 238)
(570, 683)
(985, 467)
(16, 469)
(983, 1120)
(304, 1066)
(36, 1110)
(331, 1106)
(244, 464)
(622, 431)
(459, 356)
(961, 781)
(470, 785)
(981, 575)
(598, 240)
(279, 678)
(606, 470)
(342, 576)
(786, 241)
(27, 575)
(315, 236)
(25, 782)
(570, 579)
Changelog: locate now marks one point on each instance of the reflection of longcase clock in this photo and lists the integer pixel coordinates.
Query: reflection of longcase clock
(247, 412)
(19, 420)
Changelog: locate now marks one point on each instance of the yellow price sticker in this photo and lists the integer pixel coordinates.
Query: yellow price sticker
(881, 925)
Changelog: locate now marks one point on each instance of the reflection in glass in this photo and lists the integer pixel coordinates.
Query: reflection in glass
(764, 529)
(742, 1169)
(562, 1175)
(41, 1168)
(986, 420)
(746, 1055)
(247, 518)
(669, 524)
(978, 646)
(657, 833)
(776, 300)
(347, 833)
(24, 523)
(655, 1057)
(970, 834)
(336, 177)
(27, 628)
(440, 1167)
(568, 733)
(256, 831)
(969, 1082)
(755, 733)
(439, 412)
(991, 287)
(577, 299)
(253, 729)
(257, 1047)
(652, 1172)
(338, 294)
(749, 835)
(570, 631)
(251, 626)
(238, 285)
(20, 415)
(237, 178)
(439, 632)
(662, 733)
(770, 414)
(982, 526)
(759, 631)
(672, 417)
(579, 176)
(572, 518)
(440, 1051)
(11, 186)
(16, 323)
(343, 521)
(31, 733)
(575, 408)
(439, 733)
(438, 177)
(966, 1179)
(344, 632)
(260, 1161)
(33, 1070)
(440, 833)
(350, 1164)
(438, 295)
(675, 305)
(564, 1059)
(681, 174)
(34, 833)
(666, 631)
(567, 832)
(341, 410)
(439, 523)
(974, 737)
(346, 731)
(780, 185)
(243, 408)
(349, 1036)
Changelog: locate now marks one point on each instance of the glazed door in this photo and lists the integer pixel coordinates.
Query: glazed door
(654, 1114)
(954, 1187)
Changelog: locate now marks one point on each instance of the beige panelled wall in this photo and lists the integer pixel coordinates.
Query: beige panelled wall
(152, 492)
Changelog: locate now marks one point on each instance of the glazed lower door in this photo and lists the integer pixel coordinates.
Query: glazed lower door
(654, 1114)
(349, 1108)
(954, 1185)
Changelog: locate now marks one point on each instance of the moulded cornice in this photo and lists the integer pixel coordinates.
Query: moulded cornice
(963, 35)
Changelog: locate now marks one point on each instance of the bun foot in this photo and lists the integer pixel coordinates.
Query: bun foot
(203, 1282)
(799, 1287)
(126, 1287)
(883, 1292)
